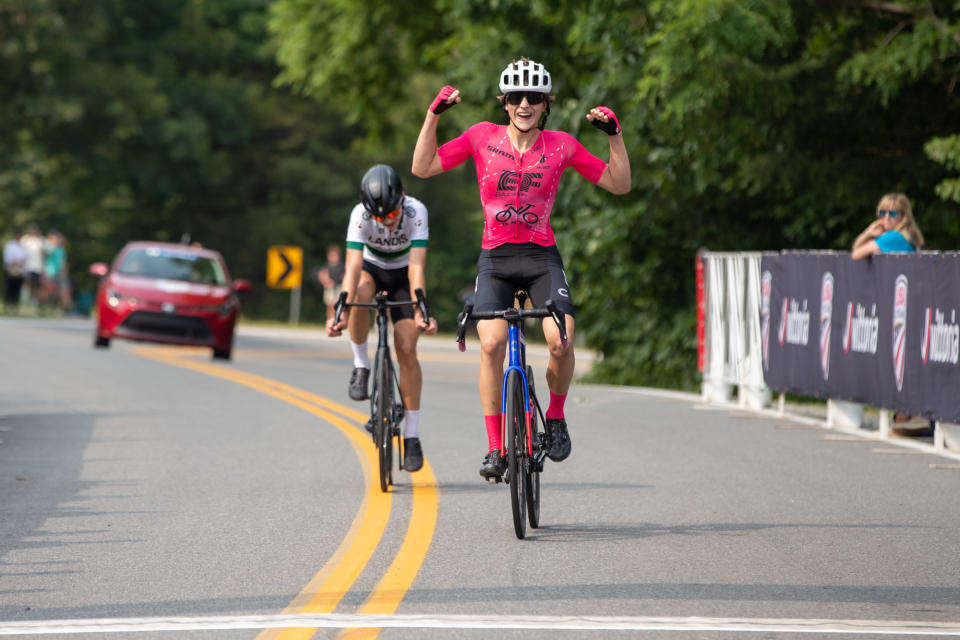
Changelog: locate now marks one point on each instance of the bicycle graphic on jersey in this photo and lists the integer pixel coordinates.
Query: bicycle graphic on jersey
(522, 213)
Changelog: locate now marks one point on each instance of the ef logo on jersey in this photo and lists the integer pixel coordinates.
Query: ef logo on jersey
(514, 181)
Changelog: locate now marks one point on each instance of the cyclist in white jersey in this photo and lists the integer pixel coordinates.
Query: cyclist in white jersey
(387, 251)
(519, 166)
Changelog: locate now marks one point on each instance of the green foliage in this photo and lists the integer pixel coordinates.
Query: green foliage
(158, 121)
(946, 151)
(916, 43)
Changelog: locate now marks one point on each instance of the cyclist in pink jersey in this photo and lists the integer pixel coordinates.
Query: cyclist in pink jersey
(518, 171)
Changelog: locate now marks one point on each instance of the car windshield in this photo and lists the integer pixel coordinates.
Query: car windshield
(171, 264)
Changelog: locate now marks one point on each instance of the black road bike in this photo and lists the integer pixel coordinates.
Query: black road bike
(522, 418)
(386, 403)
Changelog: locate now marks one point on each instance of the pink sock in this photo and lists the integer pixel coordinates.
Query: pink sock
(493, 432)
(555, 410)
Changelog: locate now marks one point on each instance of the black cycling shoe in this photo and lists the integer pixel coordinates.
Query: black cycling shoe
(412, 454)
(358, 384)
(558, 439)
(493, 465)
(368, 425)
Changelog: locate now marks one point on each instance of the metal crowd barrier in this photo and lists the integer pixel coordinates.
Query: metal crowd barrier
(729, 318)
(730, 344)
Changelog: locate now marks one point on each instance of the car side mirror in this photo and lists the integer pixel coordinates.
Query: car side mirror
(241, 285)
(99, 269)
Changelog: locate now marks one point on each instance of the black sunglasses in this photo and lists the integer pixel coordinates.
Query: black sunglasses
(533, 97)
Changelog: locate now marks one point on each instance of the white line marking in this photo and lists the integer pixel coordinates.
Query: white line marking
(585, 623)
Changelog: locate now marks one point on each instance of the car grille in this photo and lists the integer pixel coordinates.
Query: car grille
(168, 325)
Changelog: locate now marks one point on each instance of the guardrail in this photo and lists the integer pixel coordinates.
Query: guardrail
(739, 334)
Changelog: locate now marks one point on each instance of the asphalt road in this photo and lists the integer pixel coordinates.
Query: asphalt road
(150, 492)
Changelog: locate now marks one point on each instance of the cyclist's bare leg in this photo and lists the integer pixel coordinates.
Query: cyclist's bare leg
(493, 349)
(359, 322)
(559, 375)
(561, 363)
(405, 334)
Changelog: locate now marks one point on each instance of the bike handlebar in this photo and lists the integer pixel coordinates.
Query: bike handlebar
(512, 314)
(380, 302)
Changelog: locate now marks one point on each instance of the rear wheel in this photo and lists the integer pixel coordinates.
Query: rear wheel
(222, 354)
(383, 420)
(101, 342)
(532, 476)
(516, 451)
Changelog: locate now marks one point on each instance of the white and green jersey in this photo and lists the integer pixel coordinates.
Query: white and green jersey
(382, 247)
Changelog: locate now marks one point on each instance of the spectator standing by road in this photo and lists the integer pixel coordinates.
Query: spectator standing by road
(33, 244)
(56, 276)
(14, 259)
(893, 231)
(330, 276)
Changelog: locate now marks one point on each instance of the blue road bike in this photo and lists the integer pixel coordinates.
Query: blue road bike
(521, 416)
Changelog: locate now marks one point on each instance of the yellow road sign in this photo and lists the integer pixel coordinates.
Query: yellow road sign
(284, 267)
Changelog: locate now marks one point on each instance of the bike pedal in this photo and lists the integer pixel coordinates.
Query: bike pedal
(493, 480)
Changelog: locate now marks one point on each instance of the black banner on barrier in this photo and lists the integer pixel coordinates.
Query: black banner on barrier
(883, 331)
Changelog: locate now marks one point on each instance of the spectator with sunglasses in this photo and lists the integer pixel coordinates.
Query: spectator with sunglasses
(894, 230)
(387, 251)
(519, 166)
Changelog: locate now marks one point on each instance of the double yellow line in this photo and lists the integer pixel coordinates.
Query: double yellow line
(332, 582)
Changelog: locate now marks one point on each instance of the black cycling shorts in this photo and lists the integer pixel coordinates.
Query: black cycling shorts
(397, 285)
(532, 267)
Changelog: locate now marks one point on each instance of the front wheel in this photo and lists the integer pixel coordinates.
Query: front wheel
(532, 476)
(515, 417)
(383, 420)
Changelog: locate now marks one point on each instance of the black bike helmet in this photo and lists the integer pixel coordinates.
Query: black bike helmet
(381, 190)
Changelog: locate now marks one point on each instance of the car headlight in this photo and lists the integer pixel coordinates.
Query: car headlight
(114, 298)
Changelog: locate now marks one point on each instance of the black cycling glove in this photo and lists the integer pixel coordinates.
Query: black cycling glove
(612, 126)
(440, 104)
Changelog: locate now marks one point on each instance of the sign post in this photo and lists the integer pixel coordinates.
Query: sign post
(285, 271)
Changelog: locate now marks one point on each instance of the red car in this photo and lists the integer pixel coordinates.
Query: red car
(171, 293)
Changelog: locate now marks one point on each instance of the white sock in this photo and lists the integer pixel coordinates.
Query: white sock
(411, 420)
(360, 357)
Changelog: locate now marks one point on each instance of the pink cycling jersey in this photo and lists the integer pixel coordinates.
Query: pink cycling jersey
(517, 190)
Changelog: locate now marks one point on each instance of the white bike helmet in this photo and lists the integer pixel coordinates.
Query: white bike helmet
(525, 75)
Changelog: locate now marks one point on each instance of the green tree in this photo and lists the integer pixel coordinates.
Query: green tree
(751, 124)
(158, 120)
(946, 151)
